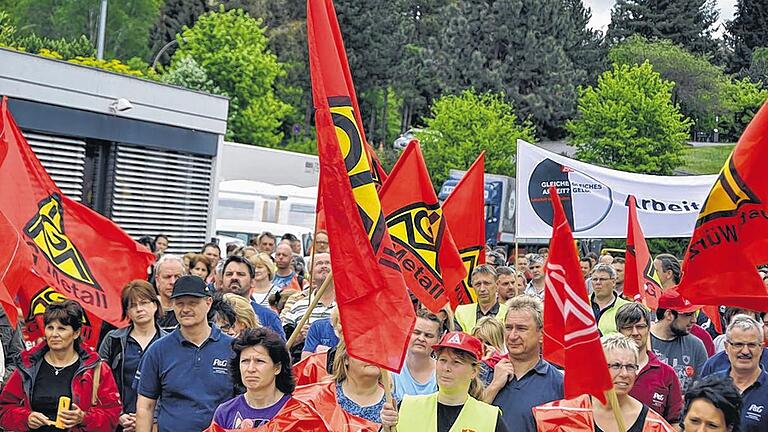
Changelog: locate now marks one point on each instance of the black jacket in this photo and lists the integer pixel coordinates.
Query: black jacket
(112, 351)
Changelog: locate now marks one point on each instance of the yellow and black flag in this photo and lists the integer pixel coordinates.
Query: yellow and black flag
(424, 247)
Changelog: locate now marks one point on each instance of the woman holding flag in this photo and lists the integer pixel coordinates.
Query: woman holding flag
(456, 405)
(586, 414)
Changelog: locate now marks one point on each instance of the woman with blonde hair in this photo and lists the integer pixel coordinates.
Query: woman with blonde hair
(490, 331)
(245, 317)
(353, 393)
(457, 403)
(264, 271)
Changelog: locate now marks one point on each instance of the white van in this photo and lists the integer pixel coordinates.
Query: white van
(246, 230)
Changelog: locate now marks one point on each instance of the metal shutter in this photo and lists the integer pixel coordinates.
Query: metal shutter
(162, 192)
(63, 158)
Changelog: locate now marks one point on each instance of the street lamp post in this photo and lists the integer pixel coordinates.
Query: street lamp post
(162, 50)
(102, 30)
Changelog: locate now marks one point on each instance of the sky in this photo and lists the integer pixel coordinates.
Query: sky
(601, 11)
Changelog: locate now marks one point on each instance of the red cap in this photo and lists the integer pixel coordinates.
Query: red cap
(461, 341)
(671, 299)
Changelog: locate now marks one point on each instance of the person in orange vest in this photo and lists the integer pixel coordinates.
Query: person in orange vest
(586, 414)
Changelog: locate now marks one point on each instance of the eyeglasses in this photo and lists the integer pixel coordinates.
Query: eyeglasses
(594, 279)
(630, 368)
(141, 304)
(753, 346)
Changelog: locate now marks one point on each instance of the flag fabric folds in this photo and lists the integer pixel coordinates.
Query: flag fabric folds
(731, 235)
(423, 245)
(79, 253)
(570, 332)
(376, 313)
(464, 211)
(641, 282)
(15, 259)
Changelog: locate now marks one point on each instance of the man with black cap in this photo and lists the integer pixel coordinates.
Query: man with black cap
(671, 338)
(188, 370)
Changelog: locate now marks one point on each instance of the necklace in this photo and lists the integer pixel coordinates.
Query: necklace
(56, 370)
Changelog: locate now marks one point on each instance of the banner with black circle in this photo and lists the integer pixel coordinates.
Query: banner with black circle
(595, 198)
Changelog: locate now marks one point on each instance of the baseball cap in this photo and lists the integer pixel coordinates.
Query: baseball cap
(191, 286)
(461, 341)
(671, 299)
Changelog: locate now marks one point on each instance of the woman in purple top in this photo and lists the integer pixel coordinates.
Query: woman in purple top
(262, 365)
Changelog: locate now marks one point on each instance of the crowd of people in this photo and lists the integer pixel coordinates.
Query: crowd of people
(205, 348)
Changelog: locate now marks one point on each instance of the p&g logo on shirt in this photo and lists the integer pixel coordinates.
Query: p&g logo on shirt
(755, 412)
(220, 366)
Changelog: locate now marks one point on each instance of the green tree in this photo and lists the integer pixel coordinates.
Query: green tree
(746, 32)
(628, 122)
(232, 49)
(173, 17)
(689, 23)
(744, 99)
(128, 22)
(526, 50)
(462, 126)
(758, 68)
(701, 88)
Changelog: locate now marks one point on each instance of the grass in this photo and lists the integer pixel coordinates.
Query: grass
(705, 160)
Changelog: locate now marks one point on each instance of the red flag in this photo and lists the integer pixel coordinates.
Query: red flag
(424, 247)
(377, 169)
(367, 277)
(15, 258)
(464, 211)
(641, 282)
(570, 332)
(34, 299)
(81, 254)
(731, 235)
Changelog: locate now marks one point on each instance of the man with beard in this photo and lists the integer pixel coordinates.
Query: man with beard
(744, 344)
(536, 285)
(237, 278)
(671, 338)
(656, 385)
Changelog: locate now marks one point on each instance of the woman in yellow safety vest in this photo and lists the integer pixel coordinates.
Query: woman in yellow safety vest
(456, 406)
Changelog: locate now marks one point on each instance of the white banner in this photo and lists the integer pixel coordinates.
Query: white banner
(595, 198)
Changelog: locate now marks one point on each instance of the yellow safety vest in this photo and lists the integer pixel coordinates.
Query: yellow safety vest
(466, 315)
(607, 324)
(419, 414)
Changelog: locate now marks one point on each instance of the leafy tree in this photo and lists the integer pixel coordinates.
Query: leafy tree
(187, 73)
(173, 17)
(689, 23)
(744, 99)
(232, 49)
(462, 126)
(526, 50)
(128, 22)
(758, 68)
(628, 122)
(701, 88)
(746, 32)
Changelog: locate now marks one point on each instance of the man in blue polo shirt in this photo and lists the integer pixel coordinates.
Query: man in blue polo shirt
(523, 380)
(188, 369)
(744, 345)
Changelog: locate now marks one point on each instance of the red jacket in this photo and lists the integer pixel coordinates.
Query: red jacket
(15, 399)
(575, 415)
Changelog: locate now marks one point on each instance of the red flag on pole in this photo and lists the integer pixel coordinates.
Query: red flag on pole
(570, 332)
(424, 247)
(15, 259)
(641, 282)
(80, 253)
(464, 211)
(376, 313)
(731, 235)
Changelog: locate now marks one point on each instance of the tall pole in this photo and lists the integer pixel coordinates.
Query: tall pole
(102, 30)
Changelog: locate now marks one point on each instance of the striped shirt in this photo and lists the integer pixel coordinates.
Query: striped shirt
(300, 308)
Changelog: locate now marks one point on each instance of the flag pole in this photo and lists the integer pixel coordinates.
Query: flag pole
(310, 308)
(614, 401)
(387, 383)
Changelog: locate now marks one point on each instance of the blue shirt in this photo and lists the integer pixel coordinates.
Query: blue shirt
(539, 385)
(754, 415)
(268, 318)
(133, 353)
(190, 381)
(281, 282)
(405, 384)
(719, 362)
(320, 333)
